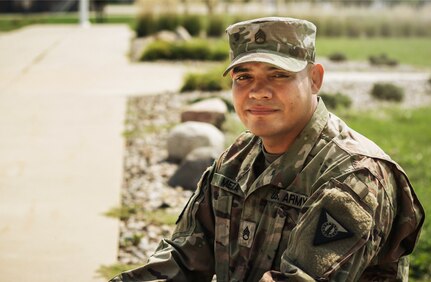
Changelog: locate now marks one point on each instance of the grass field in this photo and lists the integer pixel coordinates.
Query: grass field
(11, 22)
(407, 50)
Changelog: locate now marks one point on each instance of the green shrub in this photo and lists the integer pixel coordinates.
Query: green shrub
(370, 29)
(168, 22)
(382, 60)
(385, 29)
(190, 50)
(157, 50)
(202, 82)
(334, 27)
(406, 29)
(422, 29)
(337, 57)
(193, 24)
(123, 213)
(354, 28)
(145, 25)
(209, 81)
(132, 240)
(219, 50)
(334, 101)
(216, 26)
(387, 92)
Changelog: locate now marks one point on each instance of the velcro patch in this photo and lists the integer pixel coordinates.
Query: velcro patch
(246, 233)
(329, 229)
(226, 183)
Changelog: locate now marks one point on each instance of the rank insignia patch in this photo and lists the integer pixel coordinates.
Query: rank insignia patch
(246, 233)
(329, 230)
(260, 37)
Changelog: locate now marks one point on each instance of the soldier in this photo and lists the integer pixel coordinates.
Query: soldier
(298, 197)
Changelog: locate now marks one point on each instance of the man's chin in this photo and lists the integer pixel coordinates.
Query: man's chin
(262, 133)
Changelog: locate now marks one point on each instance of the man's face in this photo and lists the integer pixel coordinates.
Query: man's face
(273, 103)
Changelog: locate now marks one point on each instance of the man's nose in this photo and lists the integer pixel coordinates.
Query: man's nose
(260, 90)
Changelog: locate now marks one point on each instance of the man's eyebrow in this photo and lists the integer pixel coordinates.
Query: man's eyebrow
(278, 69)
(240, 69)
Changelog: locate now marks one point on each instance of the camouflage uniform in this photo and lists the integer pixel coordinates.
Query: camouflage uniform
(334, 207)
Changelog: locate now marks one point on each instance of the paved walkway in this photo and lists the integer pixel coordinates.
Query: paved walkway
(62, 103)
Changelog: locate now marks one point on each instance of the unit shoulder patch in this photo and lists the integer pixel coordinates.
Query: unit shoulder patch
(329, 229)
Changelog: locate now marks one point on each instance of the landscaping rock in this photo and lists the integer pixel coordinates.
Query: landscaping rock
(183, 34)
(190, 135)
(180, 34)
(165, 35)
(191, 169)
(211, 111)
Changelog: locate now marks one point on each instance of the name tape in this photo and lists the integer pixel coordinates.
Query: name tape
(288, 198)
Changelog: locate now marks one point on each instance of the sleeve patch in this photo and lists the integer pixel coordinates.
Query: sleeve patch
(329, 229)
(334, 226)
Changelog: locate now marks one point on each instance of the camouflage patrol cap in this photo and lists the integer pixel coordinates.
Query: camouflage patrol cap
(286, 43)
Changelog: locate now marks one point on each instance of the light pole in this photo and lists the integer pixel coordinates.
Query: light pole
(83, 13)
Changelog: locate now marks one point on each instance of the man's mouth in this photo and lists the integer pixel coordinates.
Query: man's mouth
(261, 110)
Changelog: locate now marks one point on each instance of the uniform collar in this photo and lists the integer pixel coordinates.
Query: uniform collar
(284, 169)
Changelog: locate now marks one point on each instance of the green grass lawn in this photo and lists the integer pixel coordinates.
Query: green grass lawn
(11, 22)
(408, 50)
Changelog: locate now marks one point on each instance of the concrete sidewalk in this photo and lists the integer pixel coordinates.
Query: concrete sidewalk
(62, 103)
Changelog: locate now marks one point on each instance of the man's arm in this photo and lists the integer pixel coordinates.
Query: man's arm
(358, 229)
(189, 255)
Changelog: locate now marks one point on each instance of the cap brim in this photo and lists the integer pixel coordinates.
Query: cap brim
(286, 63)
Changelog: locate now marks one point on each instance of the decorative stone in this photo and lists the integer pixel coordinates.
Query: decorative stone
(183, 34)
(190, 135)
(192, 168)
(211, 111)
(166, 35)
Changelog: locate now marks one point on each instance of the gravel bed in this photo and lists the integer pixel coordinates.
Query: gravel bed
(146, 173)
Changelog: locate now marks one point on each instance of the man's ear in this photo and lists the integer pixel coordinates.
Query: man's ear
(316, 77)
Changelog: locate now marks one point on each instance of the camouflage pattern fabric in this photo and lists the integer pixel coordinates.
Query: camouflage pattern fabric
(334, 207)
(287, 43)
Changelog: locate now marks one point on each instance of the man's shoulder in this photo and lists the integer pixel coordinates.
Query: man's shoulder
(341, 151)
(352, 142)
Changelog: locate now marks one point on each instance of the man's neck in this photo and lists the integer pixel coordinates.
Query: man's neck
(274, 146)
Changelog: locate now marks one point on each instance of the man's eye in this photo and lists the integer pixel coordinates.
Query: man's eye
(242, 77)
(281, 75)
